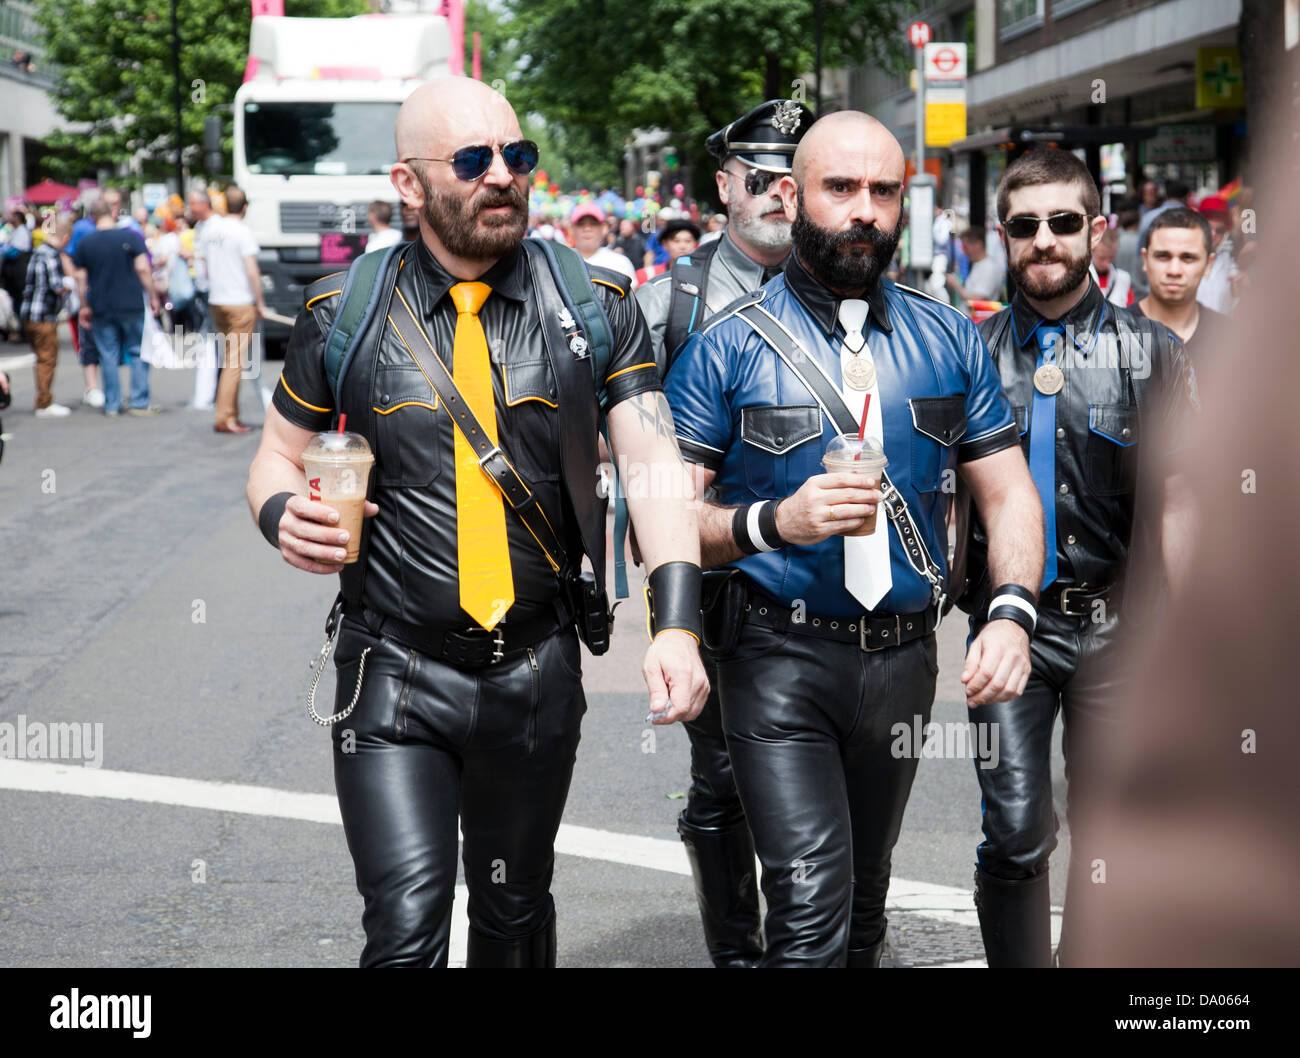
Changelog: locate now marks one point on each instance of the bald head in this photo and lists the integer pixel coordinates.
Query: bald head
(846, 131)
(845, 196)
(442, 116)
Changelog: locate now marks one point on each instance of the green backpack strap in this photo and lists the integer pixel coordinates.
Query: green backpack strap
(574, 281)
(357, 306)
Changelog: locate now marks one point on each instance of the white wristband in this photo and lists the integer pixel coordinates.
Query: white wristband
(1016, 601)
(751, 525)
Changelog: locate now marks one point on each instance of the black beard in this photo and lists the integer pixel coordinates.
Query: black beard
(831, 260)
(456, 223)
(1076, 270)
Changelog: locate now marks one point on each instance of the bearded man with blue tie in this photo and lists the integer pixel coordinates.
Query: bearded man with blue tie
(1087, 382)
(825, 640)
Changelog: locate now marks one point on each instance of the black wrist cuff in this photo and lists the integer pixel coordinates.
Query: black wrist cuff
(1017, 590)
(268, 518)
(1014, 613)
(674, 598)
(754, 528)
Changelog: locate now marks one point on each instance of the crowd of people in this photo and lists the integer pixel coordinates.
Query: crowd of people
(124, 280)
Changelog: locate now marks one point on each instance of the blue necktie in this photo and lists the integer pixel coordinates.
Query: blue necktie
(1042, 448)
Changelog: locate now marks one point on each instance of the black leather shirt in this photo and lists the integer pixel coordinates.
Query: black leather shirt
(1104, 416)
(410, 556)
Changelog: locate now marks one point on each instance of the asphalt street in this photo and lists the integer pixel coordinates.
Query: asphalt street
(138, 595)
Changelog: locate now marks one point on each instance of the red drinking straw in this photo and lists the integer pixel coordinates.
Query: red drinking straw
(343, 419)
(862, 430)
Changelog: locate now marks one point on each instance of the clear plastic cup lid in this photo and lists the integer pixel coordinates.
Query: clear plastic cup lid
(337, 445)
(847, 448)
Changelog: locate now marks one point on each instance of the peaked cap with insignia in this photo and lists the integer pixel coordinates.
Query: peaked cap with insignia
(765, 138)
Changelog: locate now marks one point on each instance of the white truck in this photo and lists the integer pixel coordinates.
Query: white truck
(313, 137)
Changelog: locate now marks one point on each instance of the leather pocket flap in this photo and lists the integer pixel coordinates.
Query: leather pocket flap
(941, 418)
(398, 386)
(530, 380)
(779, 428)
(1115, 422)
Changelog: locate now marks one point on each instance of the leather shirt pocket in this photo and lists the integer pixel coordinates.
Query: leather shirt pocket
(938, 423)
(1112, 448)
(406, 427)
(531, 395)
(780, 453)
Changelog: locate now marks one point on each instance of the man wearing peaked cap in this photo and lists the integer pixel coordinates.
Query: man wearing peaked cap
(752, 152)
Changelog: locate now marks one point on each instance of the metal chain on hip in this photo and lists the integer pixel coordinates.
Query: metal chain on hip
(319, 666)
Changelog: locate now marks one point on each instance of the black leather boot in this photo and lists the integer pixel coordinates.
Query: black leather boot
(868, 958)
(1015, 920)
(722, 863)
(521, 953)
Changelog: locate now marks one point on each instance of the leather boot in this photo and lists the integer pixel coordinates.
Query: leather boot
(722, 864)
(1015, 920)
(868, 958)
(520, 953)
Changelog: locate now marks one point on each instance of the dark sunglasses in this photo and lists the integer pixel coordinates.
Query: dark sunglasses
(469, 163)
(757, 181)
(1057, 224)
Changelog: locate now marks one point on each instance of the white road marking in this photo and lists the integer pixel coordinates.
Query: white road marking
(659, 854)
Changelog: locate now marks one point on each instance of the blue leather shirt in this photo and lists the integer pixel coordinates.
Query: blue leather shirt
(740, 411)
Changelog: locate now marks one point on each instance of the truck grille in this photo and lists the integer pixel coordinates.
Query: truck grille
(315, 218)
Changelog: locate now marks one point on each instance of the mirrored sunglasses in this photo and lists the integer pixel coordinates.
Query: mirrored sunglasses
(470, 163)
(1026, 227)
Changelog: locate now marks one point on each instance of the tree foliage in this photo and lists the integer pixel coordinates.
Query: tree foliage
(597, 69)
(116, 76)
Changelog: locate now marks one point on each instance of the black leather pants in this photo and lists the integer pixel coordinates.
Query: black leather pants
(429, 743)
(808, 725)
(718, 845)
(1076, 673)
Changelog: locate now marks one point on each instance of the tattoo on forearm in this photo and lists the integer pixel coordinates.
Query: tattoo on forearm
(655, 415)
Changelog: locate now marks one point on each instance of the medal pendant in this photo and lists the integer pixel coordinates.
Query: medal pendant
(1049, 379)
(859, 374)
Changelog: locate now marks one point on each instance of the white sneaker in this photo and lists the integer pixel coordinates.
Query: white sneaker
(93, 398)
(53, 411)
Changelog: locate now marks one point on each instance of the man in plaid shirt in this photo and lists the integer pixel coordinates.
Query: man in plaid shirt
(42, 299)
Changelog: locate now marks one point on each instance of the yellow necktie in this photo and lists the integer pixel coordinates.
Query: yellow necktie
(487, 587)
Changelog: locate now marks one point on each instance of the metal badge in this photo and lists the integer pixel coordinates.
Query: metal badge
(578, 346)
(859, 373)
(566, 319)
(786, 117)
(1049, 379)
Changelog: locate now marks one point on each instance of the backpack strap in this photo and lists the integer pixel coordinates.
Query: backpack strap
(686, 306)
(574, 280)
(588, 315)
(357, 306)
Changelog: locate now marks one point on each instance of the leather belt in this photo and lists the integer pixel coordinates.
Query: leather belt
(466, 648)
(1077, 601)
(869, 632)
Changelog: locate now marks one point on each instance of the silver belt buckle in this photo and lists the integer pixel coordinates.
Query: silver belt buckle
(495, 450)
(498, 645)
(1065, 601)
(863, 633)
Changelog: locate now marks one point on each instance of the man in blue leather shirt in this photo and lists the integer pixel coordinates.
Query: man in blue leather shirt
(835, 643)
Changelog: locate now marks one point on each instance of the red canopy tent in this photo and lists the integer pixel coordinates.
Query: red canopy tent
(48, 192)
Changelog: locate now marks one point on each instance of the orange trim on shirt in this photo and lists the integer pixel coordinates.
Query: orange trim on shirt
(295, 396)
(624, 371)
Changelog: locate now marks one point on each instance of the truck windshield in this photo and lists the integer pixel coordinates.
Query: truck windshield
(324, 139)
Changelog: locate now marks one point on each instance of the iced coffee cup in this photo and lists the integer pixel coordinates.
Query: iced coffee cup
(847, 455)
(338, 475)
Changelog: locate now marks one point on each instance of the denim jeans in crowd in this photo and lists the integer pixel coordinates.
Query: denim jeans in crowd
(117, 335)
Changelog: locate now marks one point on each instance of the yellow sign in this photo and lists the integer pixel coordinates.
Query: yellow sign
(945, 123)
(1219, 79)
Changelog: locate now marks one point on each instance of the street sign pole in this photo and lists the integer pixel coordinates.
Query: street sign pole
(920, 110)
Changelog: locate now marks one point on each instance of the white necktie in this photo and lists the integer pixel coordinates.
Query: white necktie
(867, 574)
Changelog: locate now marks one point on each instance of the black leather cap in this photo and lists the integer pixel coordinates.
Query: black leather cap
(765, 138)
